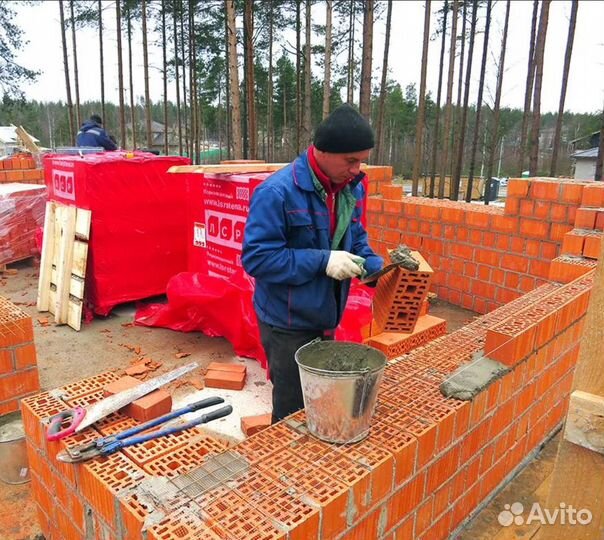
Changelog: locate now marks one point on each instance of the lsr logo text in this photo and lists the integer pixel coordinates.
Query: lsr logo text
(224, 229)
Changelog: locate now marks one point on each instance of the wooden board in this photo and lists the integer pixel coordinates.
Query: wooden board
(27, 140)
(63, 263)
(228, 169)
(578, 474)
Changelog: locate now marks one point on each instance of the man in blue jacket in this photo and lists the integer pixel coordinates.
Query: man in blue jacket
(303, 243)
(92, 134)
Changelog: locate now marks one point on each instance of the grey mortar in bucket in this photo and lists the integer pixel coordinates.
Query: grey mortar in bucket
(339, 381)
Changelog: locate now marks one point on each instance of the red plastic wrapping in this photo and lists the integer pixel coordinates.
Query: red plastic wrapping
(138, 227)
(21, 215)
(213, 305)
(218, 306)
(217, 208)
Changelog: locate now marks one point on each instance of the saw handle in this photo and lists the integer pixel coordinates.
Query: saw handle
(55, 422)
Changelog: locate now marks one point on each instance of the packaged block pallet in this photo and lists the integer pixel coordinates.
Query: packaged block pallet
(21, 214)
(217, 208)
(138, 225)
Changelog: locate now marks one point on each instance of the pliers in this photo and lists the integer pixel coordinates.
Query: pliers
(105, 446)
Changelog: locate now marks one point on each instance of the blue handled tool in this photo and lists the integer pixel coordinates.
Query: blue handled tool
(104, 446)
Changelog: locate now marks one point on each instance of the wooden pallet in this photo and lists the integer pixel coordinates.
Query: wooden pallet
(63, 263)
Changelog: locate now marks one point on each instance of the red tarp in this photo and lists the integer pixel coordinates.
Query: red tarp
(219, 306)
(138, 227)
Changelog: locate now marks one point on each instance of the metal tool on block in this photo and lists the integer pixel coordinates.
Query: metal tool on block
(372, 277)
(80, 418)
(104, 446)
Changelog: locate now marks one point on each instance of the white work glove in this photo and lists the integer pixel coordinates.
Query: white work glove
(343, 265)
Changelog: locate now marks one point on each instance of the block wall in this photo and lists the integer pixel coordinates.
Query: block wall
(486, 256)
(18, 365)
(427, 464)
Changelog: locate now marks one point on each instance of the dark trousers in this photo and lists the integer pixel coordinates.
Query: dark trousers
(280, 346)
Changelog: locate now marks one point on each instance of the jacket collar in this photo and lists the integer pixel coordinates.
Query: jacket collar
(303, 177)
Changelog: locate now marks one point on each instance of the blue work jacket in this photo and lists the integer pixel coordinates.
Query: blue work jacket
(287, 245)
(92, 134)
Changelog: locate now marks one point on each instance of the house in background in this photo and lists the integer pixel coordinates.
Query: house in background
(158, 133)
(584, 161)
(9, 142)
(585, 164)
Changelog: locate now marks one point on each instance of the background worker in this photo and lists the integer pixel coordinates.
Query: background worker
(303, 243)
(92, 134)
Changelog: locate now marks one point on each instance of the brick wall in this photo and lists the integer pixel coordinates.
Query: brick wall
(485, 256)
(428, 462)
(18, 366)
(20, 168)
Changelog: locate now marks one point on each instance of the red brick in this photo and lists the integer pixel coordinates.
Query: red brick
(534, 228)
(6, 361)
(153, 405)
(545, 190)
(224, 379)
(518, 187)
(593, 246)
(586, 218)
(593, 195)
(25, 356)
(253, 424)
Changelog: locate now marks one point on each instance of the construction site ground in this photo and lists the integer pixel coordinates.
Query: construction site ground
(113, 343)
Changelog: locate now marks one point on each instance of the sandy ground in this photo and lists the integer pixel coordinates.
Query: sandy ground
(65, 355)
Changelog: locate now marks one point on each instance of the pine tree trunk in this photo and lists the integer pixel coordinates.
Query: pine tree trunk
(457, 110)
(101, 61)
(567, 56)
(461, 133)
(350, 71)
(177, 77)
(327, 76)
(270, 151)
(248, 31)
(495, 126)
(447, 123)
(197, 113)
(131, 79)
(536, 120)
(438, 96)
(227, 93)
(76, 79)
(235, 105)
(66, 69)
(528, 93)
(187, 131)
(483, 64)
(165, 74)
(307, 131)
(146, 71)
(365, 93)
(120, 75)
(421, 108)
(298, 75)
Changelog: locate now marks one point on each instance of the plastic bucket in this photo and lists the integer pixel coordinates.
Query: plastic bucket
(340, 382)
(14, 468)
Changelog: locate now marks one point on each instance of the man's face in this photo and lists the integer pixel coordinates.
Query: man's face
(341, 167)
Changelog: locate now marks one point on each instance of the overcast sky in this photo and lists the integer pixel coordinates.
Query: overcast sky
(585, 89)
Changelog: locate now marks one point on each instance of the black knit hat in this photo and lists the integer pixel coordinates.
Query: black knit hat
(344, 130)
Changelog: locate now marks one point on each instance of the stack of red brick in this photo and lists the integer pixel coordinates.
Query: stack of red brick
(484, 256)
(426, 466)
(18, 365)
(21, 215)
(20, 168)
